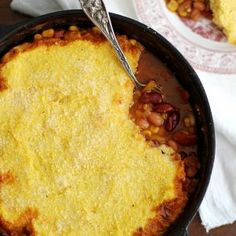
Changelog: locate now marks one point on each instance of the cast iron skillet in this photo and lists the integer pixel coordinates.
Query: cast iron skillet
(155, 43)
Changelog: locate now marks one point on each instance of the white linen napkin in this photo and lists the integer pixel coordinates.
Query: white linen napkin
(36, 8)
(219, 204)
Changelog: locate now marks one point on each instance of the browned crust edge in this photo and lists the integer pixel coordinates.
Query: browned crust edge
(6, 177)
(168, 211)
(3, 84)
(22, 226)
(90, 34)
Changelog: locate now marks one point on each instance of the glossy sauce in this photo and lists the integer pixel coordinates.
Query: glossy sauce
(151, 68)
(182, 138)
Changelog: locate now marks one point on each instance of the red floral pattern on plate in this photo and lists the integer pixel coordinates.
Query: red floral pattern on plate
(204, 46)
(206, 28)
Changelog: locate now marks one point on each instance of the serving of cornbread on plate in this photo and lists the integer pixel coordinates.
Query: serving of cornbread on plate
(221, 12)
(72, 161)
(224, 15)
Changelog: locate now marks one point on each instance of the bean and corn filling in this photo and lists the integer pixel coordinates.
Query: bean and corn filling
(192, 9)
(163, 123)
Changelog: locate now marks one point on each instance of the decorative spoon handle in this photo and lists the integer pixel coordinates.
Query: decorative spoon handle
(97, 13)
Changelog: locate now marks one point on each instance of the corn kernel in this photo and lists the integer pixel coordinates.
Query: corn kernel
(158, 138)
(96, 30)
(48, 33)
(154, 129)
(147, 133)
(183, 13)
(147, 113)
(37, 36)
(164, 116)
(146, 107)
(186, 122)
(138, 114)
(73, 28)
(133, 42)
(151, 85)
(173, 5)
(191, 120)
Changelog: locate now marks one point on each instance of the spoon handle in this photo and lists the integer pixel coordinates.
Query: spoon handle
(97, 13)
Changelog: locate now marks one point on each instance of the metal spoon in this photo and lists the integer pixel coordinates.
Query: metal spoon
(97, 13)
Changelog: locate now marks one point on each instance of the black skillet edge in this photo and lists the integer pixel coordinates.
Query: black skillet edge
(20, 32)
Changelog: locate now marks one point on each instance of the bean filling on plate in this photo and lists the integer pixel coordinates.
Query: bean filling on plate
(192, 9)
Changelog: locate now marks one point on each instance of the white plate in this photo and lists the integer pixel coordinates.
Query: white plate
(204, 46)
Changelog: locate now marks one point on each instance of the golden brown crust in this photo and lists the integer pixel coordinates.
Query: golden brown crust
(22, 226)
(6, 178)
(167, 212)
(3, 85)
(62, 38)
(66, 37)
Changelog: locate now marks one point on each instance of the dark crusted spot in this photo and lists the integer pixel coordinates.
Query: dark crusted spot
(166, 212)
(22, 226)
(6, 177)
(3, 85)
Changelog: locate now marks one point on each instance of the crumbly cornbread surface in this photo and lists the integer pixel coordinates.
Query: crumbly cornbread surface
(224, 15)
(72, 162)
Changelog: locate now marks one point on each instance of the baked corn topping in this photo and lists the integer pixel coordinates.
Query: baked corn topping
(72, 160)
(224, 15)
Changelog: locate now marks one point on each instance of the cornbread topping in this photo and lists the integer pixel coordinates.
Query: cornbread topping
(72, 161)
(224, 15)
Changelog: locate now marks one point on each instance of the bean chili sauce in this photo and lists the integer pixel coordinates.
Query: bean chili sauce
(165, 116)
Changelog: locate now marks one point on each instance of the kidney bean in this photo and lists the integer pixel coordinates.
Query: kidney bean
(183, 154)
(155, 119)
(199, 5)
(184, 8)
(172, 120)
(173, 144)
(184, 95)
(185, 138)
(190, 185)
(191, 165)
(162, 131)
(142, 123)
(195, 14)
(156, 143)
(139, 114)
(163, 107)
(151, 97)
(59, 34)
(49, 33)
